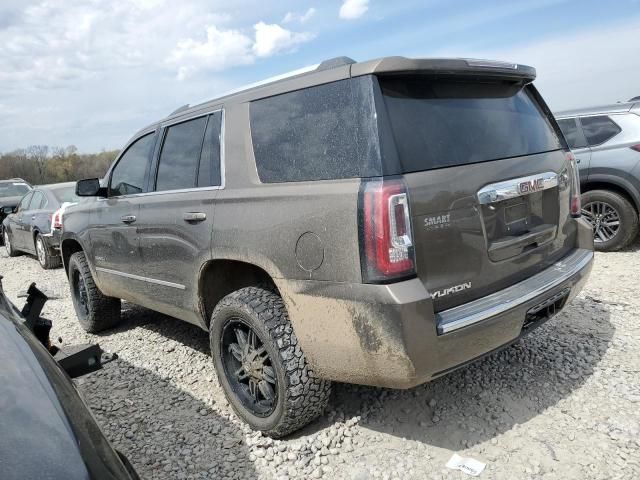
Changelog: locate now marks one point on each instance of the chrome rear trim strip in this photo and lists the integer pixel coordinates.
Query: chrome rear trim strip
(514, 296)
(142, 279)
(517, 187)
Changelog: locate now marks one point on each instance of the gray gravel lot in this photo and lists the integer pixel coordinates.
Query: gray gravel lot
(564, 403)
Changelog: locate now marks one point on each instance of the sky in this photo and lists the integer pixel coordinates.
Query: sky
(90, 73)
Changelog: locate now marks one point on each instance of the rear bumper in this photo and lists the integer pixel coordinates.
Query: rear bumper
(389, 336)
(52, 241)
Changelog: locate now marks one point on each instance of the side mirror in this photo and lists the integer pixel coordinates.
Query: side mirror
(89, 187)
(8, 210)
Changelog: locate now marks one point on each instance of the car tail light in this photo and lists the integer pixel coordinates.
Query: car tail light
(56, 219)
(386, 241)
(635, 147)
(575, 205)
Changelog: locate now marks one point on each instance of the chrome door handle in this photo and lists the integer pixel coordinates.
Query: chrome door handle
(194, 216)
(33, 217)
(128, 218)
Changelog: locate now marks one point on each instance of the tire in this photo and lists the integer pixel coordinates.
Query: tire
(598, 206)
(46, 260)
(298, 395)
(8, 246)
(95, 311)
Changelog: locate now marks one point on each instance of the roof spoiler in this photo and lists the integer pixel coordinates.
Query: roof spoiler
(446, 66)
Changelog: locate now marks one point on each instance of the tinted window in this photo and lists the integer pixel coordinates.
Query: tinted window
(37, 201)
(599, 129)
(24, 203)
(128, 175)
(312, 134)
(180, 155)
(571, 133)
(209, 171)
(440, 123)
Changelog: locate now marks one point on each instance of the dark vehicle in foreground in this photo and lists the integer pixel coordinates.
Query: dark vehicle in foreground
(46, 430)
(11, 192)
(36, 225)
(380, 223)
(606, 143)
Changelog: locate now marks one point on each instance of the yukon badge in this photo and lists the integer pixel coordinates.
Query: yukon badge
(454, 289)
(531, 186)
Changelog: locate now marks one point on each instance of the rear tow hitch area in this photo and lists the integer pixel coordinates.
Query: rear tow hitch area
(545, 310)
(76, 360)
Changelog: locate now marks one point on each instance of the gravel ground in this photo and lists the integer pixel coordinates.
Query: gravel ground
(564, 403)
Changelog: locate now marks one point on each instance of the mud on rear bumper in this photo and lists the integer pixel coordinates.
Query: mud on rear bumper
(389, 336)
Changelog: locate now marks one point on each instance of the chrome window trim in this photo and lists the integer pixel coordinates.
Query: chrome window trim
(504, 300)
(223, 179)
(496, 192)
(143, 279)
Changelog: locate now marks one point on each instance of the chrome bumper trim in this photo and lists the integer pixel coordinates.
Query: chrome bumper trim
(511, 297)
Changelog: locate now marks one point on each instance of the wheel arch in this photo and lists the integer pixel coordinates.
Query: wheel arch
(68, 247)
(617, 185)
(220, 277)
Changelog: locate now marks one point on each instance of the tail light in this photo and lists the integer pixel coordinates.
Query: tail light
(386, 241)
(56, 219)
(575, 205)
(635, 147)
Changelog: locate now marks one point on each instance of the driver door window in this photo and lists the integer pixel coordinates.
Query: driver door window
(128, 175)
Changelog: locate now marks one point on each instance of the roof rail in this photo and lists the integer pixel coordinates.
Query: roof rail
(179, 109)
(335, 62)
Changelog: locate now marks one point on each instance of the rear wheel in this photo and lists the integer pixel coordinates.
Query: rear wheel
(7, 244)
(260, 365)
(47, 261)
(95, 311)
(613, 218)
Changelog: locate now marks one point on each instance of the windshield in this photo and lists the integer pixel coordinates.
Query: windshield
(66, 194)
(441, 123)
(13, 189)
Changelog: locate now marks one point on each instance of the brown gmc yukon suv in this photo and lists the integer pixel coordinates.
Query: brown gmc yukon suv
(380, 223)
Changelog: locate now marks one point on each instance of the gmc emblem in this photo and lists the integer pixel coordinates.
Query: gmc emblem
(531, 186)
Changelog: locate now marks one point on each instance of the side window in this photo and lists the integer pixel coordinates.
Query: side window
(308, 134)
(36, 201)
(128, 175)
(599, 129)
(209, 171)
(24, 203)
(572, 133)
(180, 155)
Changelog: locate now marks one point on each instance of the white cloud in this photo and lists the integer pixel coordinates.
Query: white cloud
(297, 17)
(220, 50)
(272, 38)
(352, 9)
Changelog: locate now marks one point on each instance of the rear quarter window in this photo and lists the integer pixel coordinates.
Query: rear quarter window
(315, 133)
(572, 133)
(599, 129)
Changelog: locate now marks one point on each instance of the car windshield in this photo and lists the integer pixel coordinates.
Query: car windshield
(13, 189)
(66, 194)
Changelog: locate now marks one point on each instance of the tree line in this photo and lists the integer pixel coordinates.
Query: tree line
(41, 164)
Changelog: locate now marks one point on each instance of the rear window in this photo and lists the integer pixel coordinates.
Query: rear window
(442, 123)
(66, 194)
(599, 129)
(318, 133)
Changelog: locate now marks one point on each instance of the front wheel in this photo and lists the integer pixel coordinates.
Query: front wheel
(47, 261)
(260, 365)
(95, 311)
(7, 244)
(613, 218)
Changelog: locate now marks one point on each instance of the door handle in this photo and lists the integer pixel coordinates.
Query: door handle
(194, 216)
(128, 218)
(33, 217)
(577, 160)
